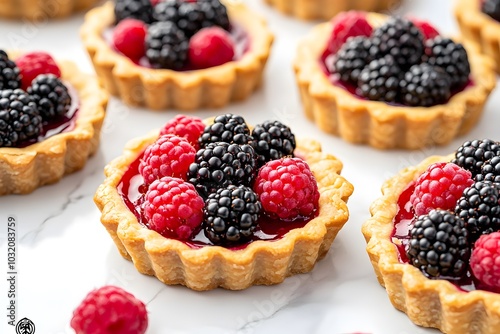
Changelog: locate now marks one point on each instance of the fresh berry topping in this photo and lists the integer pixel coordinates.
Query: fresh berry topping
(451, 57)
(427, 29)
(479, 207)
(210, 47)
(439, 187)
(166, 46)
(227, 128)
(188, 127)
(9, 73)
(135, 9)
(491, 8)
(345, 25)
(19, 118)
(490, 170)
(110, 309)
(129, 38)
(287, 189)
(173, 207)
(51, 96)
(438, 244)
(272, 140)
(169, 155)
(425, 85)
(401, 39)
(472, 154)
(352, 57)
(231, 215)
(485, 260)
(220, 164)
(379, 81)
(33, 64)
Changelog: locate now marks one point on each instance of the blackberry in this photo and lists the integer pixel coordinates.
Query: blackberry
(350, 60)
(425, 85)
(479, 207)
(136, 9)
(438, 244)
(272, 140)
(19, 118)
(227, 128)
(231, 215)
(166, 46)
(191, 17)
(9, 73)
(490, 170)
(51, 96)
(471, 155)
(401, 39)
(451, 57)
(491, 8)
(379, 81)
(220, 164)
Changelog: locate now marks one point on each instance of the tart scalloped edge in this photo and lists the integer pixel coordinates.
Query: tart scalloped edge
(384, 126)
(427, 302)
(320, 9)
(39, 11)
(479, 28)
(23, 170)
(209, 267)
(160, 89)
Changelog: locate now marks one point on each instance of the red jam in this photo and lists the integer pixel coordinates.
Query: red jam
(132, 190)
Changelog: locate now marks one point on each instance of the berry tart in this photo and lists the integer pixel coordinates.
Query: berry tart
(434, 240)
(39, 11)
(50, 120)
(220, 205)
(391, 82)
(479, 21)
(176, 53)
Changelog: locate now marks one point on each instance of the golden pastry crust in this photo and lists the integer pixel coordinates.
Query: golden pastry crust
(384, 126)
(261, 262)
(22, 170)
(39, 11)
(479, 28)
(326, 9)
(429, 303)
(160, 89)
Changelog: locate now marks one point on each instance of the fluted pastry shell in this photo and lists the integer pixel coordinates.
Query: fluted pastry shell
(427, 302)
(22, 170)
(40, 11)
(161, 89)
(381, 125)
(209, 267)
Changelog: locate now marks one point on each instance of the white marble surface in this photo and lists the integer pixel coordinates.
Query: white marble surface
(64, 252)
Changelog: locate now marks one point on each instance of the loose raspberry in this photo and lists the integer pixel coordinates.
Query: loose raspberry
(129, 37)
(173, 206)
(33, 64)
(439, 187)
(168, 156)
(485, 260)
(110, 310)
(287, 189)
(345, 25)
(210, 47)
(188, 127)
(426, 28)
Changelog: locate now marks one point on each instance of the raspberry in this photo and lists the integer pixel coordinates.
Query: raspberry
(345, 25)
(110, 310)
(485, 260)
(210, 47)
(287, 189)
(33, 64)
(173, 206)
(439, 187)
(188, 127)
(168, 156)
(426, 28)
(129, 38)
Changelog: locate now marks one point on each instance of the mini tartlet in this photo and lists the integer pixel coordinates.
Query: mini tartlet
(260, 262)
(336, 110)
(35, 10)
(24, 169)
(158, 89)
